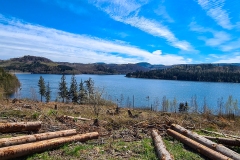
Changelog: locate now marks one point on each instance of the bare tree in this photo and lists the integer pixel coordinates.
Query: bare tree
(194, 104)
(156, 104)
(220, 104)
(165, 104)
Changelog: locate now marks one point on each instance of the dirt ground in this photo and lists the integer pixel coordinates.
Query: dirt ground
(122, 135)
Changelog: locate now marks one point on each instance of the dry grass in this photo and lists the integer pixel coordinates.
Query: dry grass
(119, 133)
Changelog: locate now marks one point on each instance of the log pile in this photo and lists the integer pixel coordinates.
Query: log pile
(29, 148)
(197, 146)
(23, 145)
(4, 142)
(202, 144)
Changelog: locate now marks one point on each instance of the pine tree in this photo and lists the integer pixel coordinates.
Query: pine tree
(63, 91)
(42, 87)
(82, 93)
(90, 89)
(48, 93)
(73, 95)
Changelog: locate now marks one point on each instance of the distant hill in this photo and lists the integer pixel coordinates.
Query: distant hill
(34, 64)
(29, 58)
(194, 72)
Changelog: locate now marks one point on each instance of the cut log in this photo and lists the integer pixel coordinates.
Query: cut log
(77, 118)
(160, 148)
(20, 126)
(200, 139)
(226, 141)
(30, 148)
(4, 142)
(197, 146)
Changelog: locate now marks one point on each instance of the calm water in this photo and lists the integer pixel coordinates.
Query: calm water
(117, 86)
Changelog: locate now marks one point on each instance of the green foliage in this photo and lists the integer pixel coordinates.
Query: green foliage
(75, 151)
(73, 91)
(42, 156)
(183, 108)
(48, 93)
(82, 93)
(52, 112)
(90, 89)
(42, 87)
(8, 83)
(63, 91)
(35, 115)
(149, 149)
(180, 152)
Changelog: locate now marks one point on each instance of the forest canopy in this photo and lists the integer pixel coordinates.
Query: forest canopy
(8, 83)
(199, 72)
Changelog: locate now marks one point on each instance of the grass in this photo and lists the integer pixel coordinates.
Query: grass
(180, 151)
(42, 156)
(76, 150)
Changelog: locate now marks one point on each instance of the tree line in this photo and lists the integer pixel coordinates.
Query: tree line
(82, 93)
(9, 83)
(202, 72)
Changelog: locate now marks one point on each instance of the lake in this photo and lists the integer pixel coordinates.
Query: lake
(145, 92)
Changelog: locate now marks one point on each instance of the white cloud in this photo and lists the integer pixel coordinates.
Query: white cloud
(157, 52)
(235, 59)
(19, 38)
(126, 12)
(162, 12)
(214, 9)
(219, 37)
(233, 45)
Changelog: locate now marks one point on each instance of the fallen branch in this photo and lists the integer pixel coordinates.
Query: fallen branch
(30, 148)
(161, 150)
(212, 132)
(77, 118)
(226, 141)
(197, 146)
(220, 134)
(204, 141)
(20, 126)
(4, 142)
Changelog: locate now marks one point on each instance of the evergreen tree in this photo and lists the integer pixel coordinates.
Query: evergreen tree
(90, 89)
(183, 107)
(63, 90)
(42, 87)
(48, 93)
(73, 95)
(82, 93)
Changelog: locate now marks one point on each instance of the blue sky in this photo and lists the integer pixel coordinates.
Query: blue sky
(122, 31)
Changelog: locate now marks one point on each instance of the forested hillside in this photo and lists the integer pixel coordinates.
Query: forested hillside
(8, 83)
(43, 65)
(200, 72)
(35, 64)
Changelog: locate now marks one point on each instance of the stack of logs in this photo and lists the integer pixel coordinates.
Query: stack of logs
(200, 143)
(24, 145)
